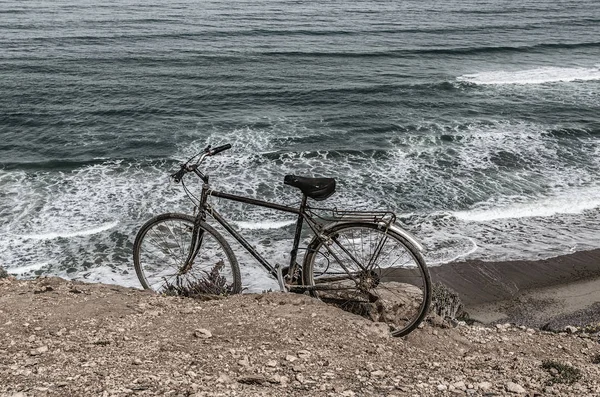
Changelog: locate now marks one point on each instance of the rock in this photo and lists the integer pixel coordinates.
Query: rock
(512, 387)
(244, 362)
(281, 379)
(397, 301)
(45, 288)
(571, 329)
(378, 374)
(3, 273)
(39, 350)
(253, 380)
(224, 378)
(202, 333)
(460, 385)
(484, 386)
(442, 387)
(290, 358)
(303, 354)
(503, 327)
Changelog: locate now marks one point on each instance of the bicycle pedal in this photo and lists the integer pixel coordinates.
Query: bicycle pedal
(291, 279)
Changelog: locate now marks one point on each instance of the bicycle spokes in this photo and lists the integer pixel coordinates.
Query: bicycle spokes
(371, 272)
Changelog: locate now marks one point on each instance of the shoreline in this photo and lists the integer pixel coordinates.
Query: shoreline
(550, 293)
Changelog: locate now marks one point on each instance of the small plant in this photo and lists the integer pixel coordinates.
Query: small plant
(591, 328)
(212, 283)
(446, 303)
(562, 373)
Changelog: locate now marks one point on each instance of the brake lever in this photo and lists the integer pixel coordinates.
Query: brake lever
(178, 176)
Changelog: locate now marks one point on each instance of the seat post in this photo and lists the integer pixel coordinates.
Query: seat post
(299, 224)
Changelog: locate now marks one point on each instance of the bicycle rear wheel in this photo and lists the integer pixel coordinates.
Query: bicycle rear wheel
(370, 271)
(161, 249)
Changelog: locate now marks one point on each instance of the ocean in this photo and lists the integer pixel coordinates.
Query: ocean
(477, 122)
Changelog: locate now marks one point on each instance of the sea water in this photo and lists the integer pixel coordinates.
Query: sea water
(478, 123)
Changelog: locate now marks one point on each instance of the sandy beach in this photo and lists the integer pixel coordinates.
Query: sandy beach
(551, 293)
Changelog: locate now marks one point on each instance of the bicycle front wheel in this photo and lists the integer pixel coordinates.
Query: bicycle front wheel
(371, 271)
(162, 247)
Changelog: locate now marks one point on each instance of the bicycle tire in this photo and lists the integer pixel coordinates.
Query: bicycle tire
(161, 249)
(398, 294)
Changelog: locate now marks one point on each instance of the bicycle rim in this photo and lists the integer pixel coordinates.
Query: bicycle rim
(371, 272)
(162, 247)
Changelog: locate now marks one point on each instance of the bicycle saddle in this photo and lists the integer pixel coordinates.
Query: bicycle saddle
(315, 188)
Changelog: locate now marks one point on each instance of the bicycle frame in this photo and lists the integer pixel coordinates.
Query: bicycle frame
(235, 234)
(303, 216)
(206, 208)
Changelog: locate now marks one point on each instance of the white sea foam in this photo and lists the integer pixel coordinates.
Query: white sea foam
(20, 270)
(532, 76)
(573, 202)
(449, 248)
(264, 225)
(68, 234)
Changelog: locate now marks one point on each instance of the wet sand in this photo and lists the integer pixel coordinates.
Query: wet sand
(549, 293)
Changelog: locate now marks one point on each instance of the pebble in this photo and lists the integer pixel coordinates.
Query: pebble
(202, 333)
(460, 385)
(39, 350)
(303, 354)
(512, 387)
(503, 327)
(484, 386)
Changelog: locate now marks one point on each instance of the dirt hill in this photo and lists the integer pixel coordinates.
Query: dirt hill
(62, 338)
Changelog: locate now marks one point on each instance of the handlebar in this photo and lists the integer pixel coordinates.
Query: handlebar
(219, 149)
(185, 168)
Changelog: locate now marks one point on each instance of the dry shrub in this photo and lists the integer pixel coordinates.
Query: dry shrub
(446, 303)
(209, 284)
(561, 373)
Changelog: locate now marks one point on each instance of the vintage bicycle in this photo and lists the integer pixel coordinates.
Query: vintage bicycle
(360, 261)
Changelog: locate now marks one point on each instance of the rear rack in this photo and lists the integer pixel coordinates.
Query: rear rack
(335, 215)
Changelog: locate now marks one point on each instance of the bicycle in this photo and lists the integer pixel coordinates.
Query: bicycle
(360, 261)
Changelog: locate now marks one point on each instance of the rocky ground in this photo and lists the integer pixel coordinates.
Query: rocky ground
(61, 338)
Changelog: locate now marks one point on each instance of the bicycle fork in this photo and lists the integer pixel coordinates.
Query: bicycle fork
(197, 232)
(195, 245)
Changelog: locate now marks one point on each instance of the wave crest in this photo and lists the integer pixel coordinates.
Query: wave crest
(532, 76)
